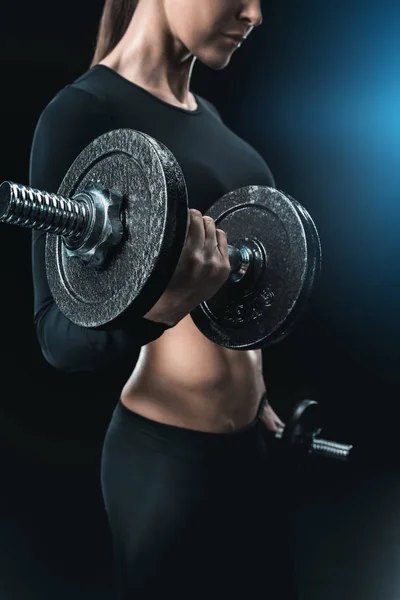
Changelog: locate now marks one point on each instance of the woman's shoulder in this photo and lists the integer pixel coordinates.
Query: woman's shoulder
(72, 101)
(67, 124)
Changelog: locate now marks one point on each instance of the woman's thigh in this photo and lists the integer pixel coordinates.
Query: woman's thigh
(193, 526)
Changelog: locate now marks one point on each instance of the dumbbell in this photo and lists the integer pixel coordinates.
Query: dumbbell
(116, 229)
(299, 439)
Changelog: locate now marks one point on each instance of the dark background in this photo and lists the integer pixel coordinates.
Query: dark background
(316, 90)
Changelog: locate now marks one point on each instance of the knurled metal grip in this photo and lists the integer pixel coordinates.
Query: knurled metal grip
(29, 207)
(89, 222)
(331, 449)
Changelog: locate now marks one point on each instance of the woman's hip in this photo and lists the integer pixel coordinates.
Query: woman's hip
(183, 503)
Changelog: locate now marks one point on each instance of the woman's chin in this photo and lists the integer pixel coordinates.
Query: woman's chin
(215, 61)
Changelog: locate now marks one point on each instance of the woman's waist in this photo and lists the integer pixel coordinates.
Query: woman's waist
(215, 400)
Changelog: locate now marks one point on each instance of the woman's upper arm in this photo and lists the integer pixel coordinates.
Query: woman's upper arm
(72, 120)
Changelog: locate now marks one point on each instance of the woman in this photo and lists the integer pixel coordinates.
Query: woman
(188, 483)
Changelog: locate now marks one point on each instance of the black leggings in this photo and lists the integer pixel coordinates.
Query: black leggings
(195, 514)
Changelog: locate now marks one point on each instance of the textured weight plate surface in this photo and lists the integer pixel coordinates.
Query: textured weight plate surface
(154, 216)
(314, 264)
(255, 314)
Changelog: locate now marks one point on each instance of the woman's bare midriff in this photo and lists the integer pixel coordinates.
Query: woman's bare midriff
(186, 380)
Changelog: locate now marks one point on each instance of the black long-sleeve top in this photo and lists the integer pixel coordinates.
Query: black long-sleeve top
(214, 161)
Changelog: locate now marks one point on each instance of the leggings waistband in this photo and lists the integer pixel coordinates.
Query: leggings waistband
(180, 440)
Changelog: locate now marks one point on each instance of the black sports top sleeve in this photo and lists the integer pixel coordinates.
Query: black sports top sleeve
(67, 125)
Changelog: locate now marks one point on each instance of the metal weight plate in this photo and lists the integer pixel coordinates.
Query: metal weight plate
(314, 264)
(154, 216)
(250, 314)
(304, 424)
